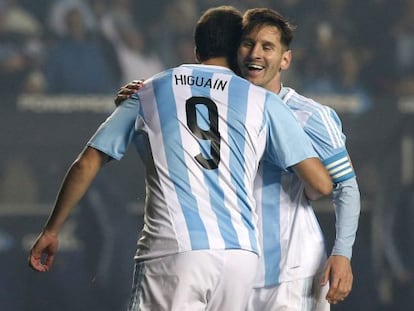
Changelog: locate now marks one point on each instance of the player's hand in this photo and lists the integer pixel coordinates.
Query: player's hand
(127, 90)
(43, 252)
(338, 272)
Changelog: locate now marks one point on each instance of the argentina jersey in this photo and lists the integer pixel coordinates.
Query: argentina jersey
(201, 131)
(305, 254)
(324, 127)
(290, 235)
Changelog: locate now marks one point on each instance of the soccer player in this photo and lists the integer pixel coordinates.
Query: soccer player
(293, 244)
(201, 131)
(289, 273)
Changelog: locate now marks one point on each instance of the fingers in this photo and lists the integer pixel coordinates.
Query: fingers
(132, 86)
(35, 262)
(334, 295)
(139, 82)
(339, 291)
(43, 251)
(123, 94)
(49, 261)
(127, 90)
(326, 274)
(340, 274)
(119, 99)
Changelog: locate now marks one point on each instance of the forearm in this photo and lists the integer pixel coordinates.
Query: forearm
(76, 182)
(316, 178)
(346, 200)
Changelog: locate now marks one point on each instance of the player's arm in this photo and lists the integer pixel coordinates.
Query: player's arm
(289, 146)
(76, 182)
(317, 180)
(325, 131)
(346, 200)
(127, 90)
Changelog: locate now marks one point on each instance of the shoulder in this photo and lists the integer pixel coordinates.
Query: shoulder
(161, 75)
(276, 109)
(274, 102)
(302, 104)
(299, 101)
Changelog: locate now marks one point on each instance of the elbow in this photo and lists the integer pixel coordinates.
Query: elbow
(325, 185)
(326, 189)
(318, 191)
(313, 196)
(81, 164)
(89, 160)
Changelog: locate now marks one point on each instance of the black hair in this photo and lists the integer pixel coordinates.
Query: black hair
(218, 33)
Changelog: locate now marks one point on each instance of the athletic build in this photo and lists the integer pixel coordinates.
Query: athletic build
(294, 251)
(201, 146)
(291, 233)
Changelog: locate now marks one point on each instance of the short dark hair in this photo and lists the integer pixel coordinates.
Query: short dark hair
(218, 33)
(260, 17)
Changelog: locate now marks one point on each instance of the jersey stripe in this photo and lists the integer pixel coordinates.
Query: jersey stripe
(214, 180)
(160, 159)
(239, 165)
(271, 225)
(198, 179)
(331, 128)
(296, 100)
(178, 171)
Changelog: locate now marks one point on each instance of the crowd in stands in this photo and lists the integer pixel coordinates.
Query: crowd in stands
(94, 46)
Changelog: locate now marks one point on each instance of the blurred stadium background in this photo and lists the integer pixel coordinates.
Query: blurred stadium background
(62, 61)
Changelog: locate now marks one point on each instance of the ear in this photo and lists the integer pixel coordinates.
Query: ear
(286, 60)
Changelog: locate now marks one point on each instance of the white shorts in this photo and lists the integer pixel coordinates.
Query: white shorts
(299, 295)
(207, 280)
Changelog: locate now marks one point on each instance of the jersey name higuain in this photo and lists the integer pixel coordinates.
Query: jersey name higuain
(216, 84)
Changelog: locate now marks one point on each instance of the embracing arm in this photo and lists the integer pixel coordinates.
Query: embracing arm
(329, 142)
(76, 182)
(317, 180)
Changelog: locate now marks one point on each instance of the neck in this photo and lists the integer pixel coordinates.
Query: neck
(274, 86)
(217, 61)
(276, 89)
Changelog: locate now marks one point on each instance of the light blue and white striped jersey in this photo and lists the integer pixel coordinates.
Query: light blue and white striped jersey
(291, 238)
(201, 131)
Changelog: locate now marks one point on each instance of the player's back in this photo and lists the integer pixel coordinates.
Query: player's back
(205, 151)
(207, 129)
